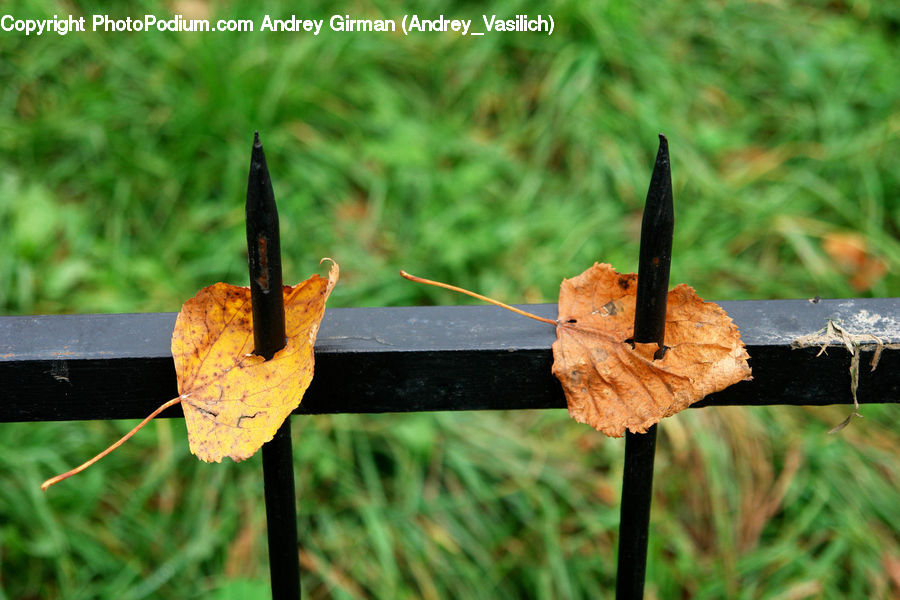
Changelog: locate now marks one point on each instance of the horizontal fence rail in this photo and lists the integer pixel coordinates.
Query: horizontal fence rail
(443, 358)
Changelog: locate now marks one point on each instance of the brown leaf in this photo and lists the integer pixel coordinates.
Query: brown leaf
(613, 386)
(233, 400)
(851, 253)
(891, 564)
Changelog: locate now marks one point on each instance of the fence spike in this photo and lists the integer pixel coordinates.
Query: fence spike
(267, 298)
(649, 326)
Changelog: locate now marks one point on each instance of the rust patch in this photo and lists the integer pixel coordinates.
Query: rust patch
(263, 279)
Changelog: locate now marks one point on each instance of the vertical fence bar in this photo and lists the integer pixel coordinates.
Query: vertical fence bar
(649, 326)
(267, 298)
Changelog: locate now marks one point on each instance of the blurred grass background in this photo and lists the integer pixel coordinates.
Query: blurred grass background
(502, 164)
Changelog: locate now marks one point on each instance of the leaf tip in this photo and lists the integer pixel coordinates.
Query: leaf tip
(334, 273)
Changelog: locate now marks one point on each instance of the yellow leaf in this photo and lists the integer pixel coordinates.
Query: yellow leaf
(233, 400)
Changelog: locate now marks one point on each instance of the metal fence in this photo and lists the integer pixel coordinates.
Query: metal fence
(442, 358)
(377, 360)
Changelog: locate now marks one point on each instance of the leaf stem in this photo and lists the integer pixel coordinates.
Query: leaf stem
(124, 438)
(447, 286)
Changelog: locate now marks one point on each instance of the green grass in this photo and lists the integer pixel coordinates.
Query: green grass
(502, 164)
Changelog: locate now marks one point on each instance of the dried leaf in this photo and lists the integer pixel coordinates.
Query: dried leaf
(891, 564)
(851, 253)
(840, 426)
(614, 385)
(233, 400)
(834, 334)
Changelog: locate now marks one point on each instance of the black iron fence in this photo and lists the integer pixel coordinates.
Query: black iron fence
(444, 358)
(374, 360)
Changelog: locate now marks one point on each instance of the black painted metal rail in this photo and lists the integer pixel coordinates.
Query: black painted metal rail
(373, 360)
